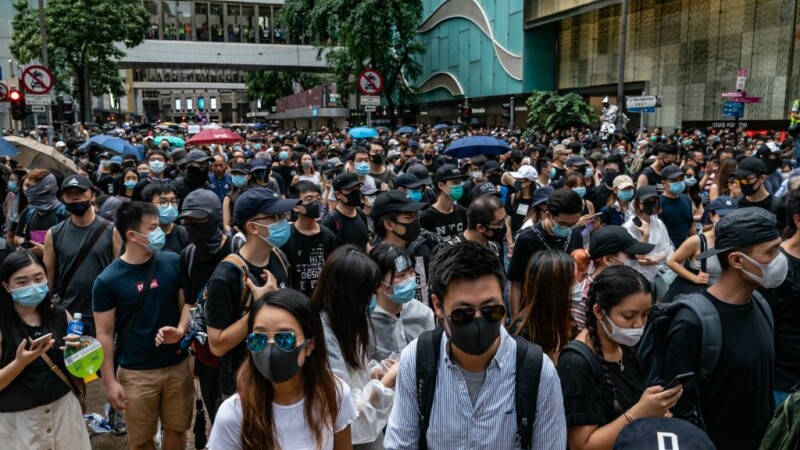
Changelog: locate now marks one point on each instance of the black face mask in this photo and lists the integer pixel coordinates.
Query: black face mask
(196, 175)
(206, 237)
(261, 175)
(413, 230)
(377, 158)
(353, 199)
(277, 365)
(749, 189)
(476, 337)
(428, 156)
(312, 209)
(495, 179)
(608, 177)
(650, 208)
(78, 208)
(772, 165)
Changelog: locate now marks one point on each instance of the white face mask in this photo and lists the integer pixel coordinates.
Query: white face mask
(622, 336)
(773, 273)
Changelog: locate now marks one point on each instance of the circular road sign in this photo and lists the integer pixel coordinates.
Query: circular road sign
(3, 92)
(370, 82)
(37, 79)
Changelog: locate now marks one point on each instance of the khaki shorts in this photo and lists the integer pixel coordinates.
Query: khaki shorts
(166, 393)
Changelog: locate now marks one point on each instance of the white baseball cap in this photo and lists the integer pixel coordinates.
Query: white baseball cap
(525, 173)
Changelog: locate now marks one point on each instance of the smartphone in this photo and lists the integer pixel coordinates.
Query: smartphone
(680, 379)
(637, 221)
(26, 244)
(38, 341)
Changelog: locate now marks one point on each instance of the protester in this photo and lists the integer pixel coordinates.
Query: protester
(676, 207)
(521, 201)
(751, 177)
(666, 155)
(164, 197)
(347, 221)
(618, 207)
(785, 310)
(42, 212)
(647, 227)
(197, 166)
(239, 180)
(220, 180)
(37, 404)
(486, 223)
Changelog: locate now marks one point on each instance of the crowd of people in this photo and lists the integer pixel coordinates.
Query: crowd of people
(332, 292)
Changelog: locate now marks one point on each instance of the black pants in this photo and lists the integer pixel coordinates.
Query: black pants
(209, 387)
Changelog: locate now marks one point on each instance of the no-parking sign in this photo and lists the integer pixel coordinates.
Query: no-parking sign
(370, 82)
(37, 80)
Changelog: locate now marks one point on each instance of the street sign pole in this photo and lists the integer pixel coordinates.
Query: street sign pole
(511, 115)
(45, 62)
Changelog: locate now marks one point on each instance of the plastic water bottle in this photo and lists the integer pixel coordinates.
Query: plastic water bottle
(76, 326)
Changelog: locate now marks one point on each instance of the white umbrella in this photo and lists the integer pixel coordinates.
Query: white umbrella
(34, 155)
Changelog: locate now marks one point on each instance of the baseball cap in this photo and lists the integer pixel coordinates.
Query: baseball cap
(671, 172)
(198, 156)
(576, 161)
(259, 164)
(489, 166)
(742, 228)
(77, 182)
(394, 201)
(421, 172)
(484, 188)
(622, 182)
(116, 160)
(650, 434)
(199, 204)
(179, 156)
(344, 181)
(525, 173)
(240, 169)
(750, 165)
(722, 205)
(645, 192)
(414, 144)
(259, 200)
(408, 180)
(335, 161)
(448, 172)
(614, 239)
(327, 167)
(542, 194)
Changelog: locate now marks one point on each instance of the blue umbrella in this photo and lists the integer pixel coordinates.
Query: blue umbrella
(174, 141)
(476, 145)
(406, 130)
(441, 126)
(6, 148)
(114, 144)
(363, 132)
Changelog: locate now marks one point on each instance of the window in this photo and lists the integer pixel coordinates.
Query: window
(248, 23)
(201, 103)
(152, 8)
(214, 103)
(177, 104)
(234, 24)
(189, 104)
(201, 29)
(216, 27)
(265, 24)
(183, 12)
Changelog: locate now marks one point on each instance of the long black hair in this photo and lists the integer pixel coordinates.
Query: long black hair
(609, 289)
(11, 325)
(345, 287)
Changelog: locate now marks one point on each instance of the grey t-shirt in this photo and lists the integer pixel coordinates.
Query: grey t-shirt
(68, 239)
(474, 382)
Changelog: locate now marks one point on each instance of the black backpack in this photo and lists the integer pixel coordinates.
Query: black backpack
(529, 370)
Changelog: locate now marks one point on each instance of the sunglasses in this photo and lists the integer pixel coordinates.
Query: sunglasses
(463, 316)
(285, 340)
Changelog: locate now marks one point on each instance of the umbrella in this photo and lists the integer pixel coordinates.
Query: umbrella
(33, 155)
(363, 132)
(114, 144)
(213, 136)
(476, 145)
(406, 130)
(174, 141)
(441, 126)
(382, 129)
(6, 148)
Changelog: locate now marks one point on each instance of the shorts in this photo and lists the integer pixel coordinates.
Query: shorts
(166, 393)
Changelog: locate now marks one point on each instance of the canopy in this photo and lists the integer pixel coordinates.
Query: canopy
(214, 136)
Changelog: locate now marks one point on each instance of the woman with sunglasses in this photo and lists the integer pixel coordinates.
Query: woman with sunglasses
(398, 317)
(287, 397)
(344, 297)
(599, 405)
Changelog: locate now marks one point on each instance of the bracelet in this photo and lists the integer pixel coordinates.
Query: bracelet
(629, 417)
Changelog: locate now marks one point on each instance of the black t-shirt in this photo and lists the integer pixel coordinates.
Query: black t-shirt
(447, 226)
(600, 198)
(201, 270)
(676, 213)
(778, 208)
(177, 239)
(36, 229)
(736, 400)
(653, 179)
(224, 308)
(560, 175)
(785, 303)
(534, 239)
(306, 255)
(387, 177)
(349, 230)
(587, 398)
(286, 173)
(106, 184)
(517, 208)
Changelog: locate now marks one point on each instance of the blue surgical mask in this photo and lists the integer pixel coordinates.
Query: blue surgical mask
(155, 240)
(279, 233)
(283, 155)
(690, 181)
(167, 214)
(373, 302)
(404, 291)
(677, 187)
(12, 186)
(561, 231)
(580, 191)
(552, 173)
(626, 195)
(362, 169)
(156, 166)
(415, 196)
(239, 180)
(589, 172)
(130, 184)
(30, 295)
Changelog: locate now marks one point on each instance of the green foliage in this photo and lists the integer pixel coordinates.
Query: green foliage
(549, 111)
(82, 41)
(359, 34)
(268, 86)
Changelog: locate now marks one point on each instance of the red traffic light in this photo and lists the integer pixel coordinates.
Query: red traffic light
(15, 95)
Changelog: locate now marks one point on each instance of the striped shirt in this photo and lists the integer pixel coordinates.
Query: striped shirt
(456, 424)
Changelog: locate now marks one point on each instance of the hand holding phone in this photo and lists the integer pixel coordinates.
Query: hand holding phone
(41, 340)
(681, 379)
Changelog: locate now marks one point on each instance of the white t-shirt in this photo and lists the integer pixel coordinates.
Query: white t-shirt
(291, 426)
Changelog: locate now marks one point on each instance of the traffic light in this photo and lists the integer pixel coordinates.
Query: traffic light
(18, 108)
(506, 111)
(466, 114)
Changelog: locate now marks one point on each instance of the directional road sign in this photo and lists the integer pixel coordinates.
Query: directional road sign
(37, 79)
(3, 92)
(645, 103)
(733, 109)
(38, 100)
(370, 100)
(370, 82)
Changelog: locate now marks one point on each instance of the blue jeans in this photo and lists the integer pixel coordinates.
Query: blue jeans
(796, 151)
(780, 397)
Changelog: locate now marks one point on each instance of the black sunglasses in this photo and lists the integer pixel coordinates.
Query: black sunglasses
(463, 316)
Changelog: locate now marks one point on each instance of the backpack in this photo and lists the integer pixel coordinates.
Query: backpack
(529, 369)
(652, 347)
(61, 215)
(432, 240)
(783, 432)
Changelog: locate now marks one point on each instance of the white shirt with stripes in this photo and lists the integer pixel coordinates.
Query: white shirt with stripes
(491, 424)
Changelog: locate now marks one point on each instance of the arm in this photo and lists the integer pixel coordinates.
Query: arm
(343, 440)
(713, 192)
(641, 181)
(173, 335)
(514, 294)
(116, 242)
(24, 357)
(226, 214)
(687, 250)
(104, 321)
(223, 341)
(50, 263)
(402, 432)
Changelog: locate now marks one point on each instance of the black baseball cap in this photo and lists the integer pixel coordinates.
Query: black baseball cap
(259, 200)
(576, 161)
(742, 228)
(671, 172)
(240, 169)
(614, 239)
(259, 164)
(448, 172)
(198, 156)
(421, 172)
(542, 194)
(408, 180)
(489, 166)
(201, 203)
(650, 434)
(327, 167)
(76, 182)
(750, 165)
(645, 192)
(394, 201)
(484, 188)
(344, 181)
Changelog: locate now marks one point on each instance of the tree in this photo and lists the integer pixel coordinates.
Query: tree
(359, 34)
(268, 86)
(82, 38)
(549, 111)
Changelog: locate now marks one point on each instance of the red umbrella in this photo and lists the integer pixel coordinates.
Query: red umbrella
(213, 136)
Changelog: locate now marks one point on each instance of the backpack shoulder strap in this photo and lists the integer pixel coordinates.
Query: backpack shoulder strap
(190, 251)
(711, 330)
(703, 247)
(583, 350)
(282, 260)
(766, 311)
(236, 260)
(526, 397)
(427, 366)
